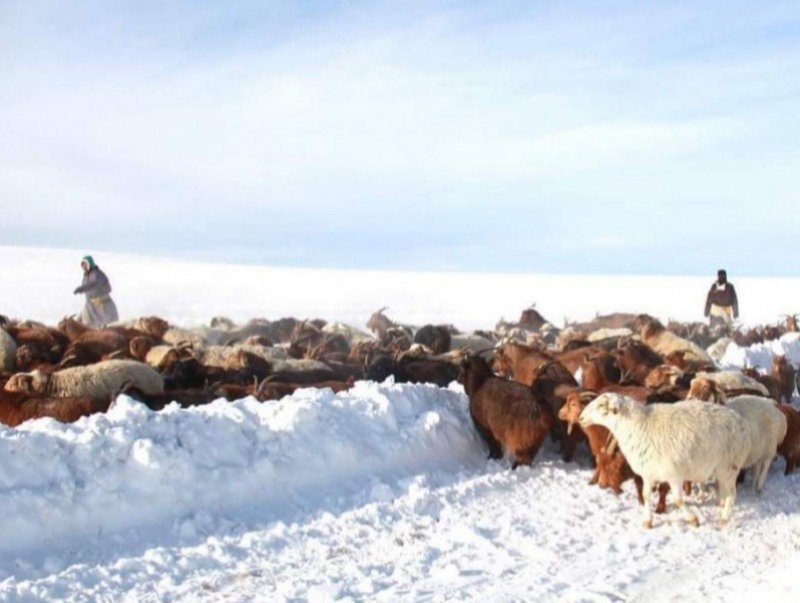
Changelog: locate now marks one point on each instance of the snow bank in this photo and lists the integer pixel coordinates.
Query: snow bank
(760, 355)
(133, 467)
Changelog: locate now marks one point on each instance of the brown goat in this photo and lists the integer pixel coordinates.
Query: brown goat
(635, 359)
(789, 449)
(599, 371)
(519, 362)
(784, 372)
(772, 384)
(507, 415)
(18, 407)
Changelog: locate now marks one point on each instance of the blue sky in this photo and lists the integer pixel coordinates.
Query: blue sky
(580, 137)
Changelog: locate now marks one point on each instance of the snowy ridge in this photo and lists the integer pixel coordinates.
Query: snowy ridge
(60, 484)
(760, 355)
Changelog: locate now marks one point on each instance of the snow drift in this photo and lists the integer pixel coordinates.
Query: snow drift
(133, 467)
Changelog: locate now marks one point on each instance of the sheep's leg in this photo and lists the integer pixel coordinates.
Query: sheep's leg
(791, 461)
(595, 476)
(687, 488)
(727, 492)
(647, 490)
(661, 505)
(676, 486)
(637, 481)
(762, 477)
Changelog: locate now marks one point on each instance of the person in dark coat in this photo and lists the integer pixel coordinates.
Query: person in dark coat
(722, 306)
(99, 309)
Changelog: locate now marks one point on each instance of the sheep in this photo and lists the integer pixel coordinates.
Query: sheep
(352, 334)
(98, 381)
(735, 380)
(472, 343)
(674, 443)
(768, 427)
(233, 359)
(784, 372)
(17, 407)
(506, 414)
(611, 468)
(8, 352)
(605, 334)
(789, 448)
(664, 342)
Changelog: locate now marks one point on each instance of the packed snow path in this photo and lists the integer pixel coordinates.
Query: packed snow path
(380, 493)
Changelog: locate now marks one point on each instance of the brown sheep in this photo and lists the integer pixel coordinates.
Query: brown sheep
(789, 449)
(507, 415)
(784, 372)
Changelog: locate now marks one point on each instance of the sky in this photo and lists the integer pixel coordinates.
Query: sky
(550, 137)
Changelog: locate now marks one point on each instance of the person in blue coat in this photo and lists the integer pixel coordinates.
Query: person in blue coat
(99, 309)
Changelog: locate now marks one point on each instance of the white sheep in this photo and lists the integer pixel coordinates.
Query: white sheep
(603, 334)
(350, 333)
(472, 343)
(673, 443)
(767, 430)
(732, 380)
(99, 381)
(8, 352)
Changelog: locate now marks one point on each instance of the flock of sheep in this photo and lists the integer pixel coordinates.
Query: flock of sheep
(648, 401)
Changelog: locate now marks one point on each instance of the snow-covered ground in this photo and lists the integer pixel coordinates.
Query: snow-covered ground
(380, 493)
(38, 283)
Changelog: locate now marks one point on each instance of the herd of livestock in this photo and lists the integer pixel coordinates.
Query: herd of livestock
(647, 400)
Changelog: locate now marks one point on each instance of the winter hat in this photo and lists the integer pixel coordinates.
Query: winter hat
(89, 261)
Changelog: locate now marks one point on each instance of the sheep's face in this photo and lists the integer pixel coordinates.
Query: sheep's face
(706, 390)
(21, 382)
(605, 410)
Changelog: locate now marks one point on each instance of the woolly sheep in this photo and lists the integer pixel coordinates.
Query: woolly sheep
(98, 381)
(603, 334)
(734, 380)
(673, 443)
(767, 429)
(665, 342)
(8, 352)
(352, 334)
